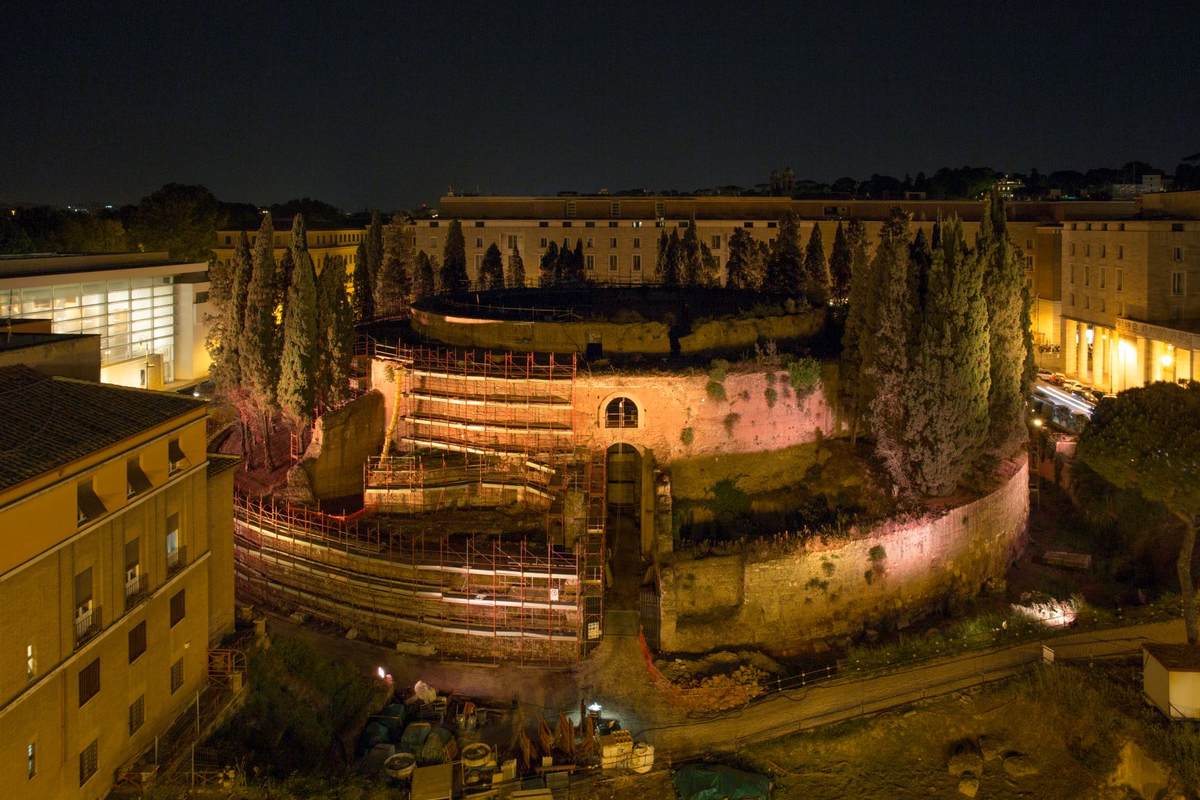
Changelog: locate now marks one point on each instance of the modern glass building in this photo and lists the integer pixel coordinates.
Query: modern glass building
(149, 312)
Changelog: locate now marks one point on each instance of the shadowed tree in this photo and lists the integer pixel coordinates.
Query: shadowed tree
(393, 286)
(839, 266)
(258, 353)
(691, 264)
(858, 340)
(283, 281)
(516, 268)
(335, 333)
(816, 269)
(227, 293)
(1002, 283)
(298, 361)
(424, 282)
(179, 219)
(710, 270)
(548, 265)
(744, 269)
(491, 271)
(785, 267)
(1148, 439)
(454, 260)
(364, 293)
(373, 243)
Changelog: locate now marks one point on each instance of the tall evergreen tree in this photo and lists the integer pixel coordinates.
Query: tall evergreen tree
(298, 362)
(227, 293)
(785, 268)
(335, 333)
(858, 340)
(1002, 290)
(491, 271)
(373, 243)
(691, 263)
(889, 366)
(1029, 372)
(393, 287)
(744, 269)
(660, 259)
(710, 269)
(921, 261)
(283, 281)
(673, 261)
(454, 260)
(839, 265)
(578, 272)
(364, 292)
(816, 269)
(257, 351)
(549, 265)
(935, 240)
(516, 268)
(424, 281)
(947, 392)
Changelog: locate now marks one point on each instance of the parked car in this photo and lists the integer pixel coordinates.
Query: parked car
(1045, 375)
(1072, 385)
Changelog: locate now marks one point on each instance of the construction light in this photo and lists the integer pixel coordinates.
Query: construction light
(382, 673)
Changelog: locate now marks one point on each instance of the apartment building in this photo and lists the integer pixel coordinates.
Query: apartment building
(323, 240)
(150, 312)
(116, 575)
(1131, 301)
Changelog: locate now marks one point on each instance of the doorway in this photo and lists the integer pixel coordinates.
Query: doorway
(623, 506)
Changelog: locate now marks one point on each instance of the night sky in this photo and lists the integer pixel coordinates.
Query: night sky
(387, 105)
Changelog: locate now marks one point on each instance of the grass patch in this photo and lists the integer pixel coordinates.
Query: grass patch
(804, 374)
(730, 422)
(687, 436)
(715, 391)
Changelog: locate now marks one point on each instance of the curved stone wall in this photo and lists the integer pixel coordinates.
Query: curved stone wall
(779, 603)
(646, 338)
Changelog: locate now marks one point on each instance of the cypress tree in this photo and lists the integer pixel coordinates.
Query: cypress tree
(335, 333)
(921, 260)
(374, 248)
(1029, 371)
(889, 366)
(1002, 291)
(785, 269)
(839, 266)
(516, 268)
(691, 265)
(741, 270)
(816, 269)
(298, 362)
(283, 281)
(454, 260)
(948, 381)
(491, 271)
(857, 339)
(935, 241)
(549, 264)
(227, 293)
(673, 261)
(364, 294)
(257, 353)
(709, 274)
(565, 265)
(393, 286)
(424, 283)
(577, 271)
(660, 259)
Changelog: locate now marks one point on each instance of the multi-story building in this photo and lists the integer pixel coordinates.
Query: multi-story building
(620, 234)
(116, 574)
(1131, 309)
(323, 240)
(150, 312)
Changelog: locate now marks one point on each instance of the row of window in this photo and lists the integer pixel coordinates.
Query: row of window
(316, 238)
(1087, 250)
(637, 223)
(90, 507)
(1178, 280)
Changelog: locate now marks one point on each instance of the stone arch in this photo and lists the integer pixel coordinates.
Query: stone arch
(621, 411)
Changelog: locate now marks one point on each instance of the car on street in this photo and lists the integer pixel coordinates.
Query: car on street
(1057, 379)
(1045, 375)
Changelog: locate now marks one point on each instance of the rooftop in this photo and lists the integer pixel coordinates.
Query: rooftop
(1180, 657)
(27, 265)
(50, 422)
(218, 463)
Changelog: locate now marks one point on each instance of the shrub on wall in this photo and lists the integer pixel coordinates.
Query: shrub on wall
(715, 391)
(687, 436)
(771, 395)
(731, 419)
(718, 370)
(804, 374)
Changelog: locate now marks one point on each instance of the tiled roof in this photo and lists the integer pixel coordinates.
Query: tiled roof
(50, 422)
(218, 463)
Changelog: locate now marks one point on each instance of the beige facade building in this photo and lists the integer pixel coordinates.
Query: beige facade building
(116, 575)
(1131, 309)
(322, 241)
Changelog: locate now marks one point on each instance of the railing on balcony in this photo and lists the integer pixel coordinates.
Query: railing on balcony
(176, 560)
(135, 592)
(87, 626)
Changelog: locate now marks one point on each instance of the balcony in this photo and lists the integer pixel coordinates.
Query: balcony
(135, 592)
(87, 626)
(176, 560)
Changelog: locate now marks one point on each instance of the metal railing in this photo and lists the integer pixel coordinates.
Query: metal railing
(135, 592)
(176, 560)
(87, 626)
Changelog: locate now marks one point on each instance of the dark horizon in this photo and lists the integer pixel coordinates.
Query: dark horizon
(111, 104)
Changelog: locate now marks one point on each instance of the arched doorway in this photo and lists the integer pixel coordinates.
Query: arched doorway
(623, 498)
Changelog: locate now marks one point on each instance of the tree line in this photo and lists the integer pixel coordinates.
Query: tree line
(937, 352)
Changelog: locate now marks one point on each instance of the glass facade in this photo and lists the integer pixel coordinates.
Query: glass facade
(134, 317)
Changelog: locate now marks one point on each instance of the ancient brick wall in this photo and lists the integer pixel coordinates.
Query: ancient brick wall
(343, 440)
(780, 602)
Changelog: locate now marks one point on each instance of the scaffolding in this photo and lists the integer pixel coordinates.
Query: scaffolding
(475, 430)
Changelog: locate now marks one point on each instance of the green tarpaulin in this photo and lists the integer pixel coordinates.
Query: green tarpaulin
(719, 782)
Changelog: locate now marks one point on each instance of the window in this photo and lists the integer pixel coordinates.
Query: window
(89, 505)
(433, 242)
(589, 242)
(1102, 304)
(1120, 280)
(512, 242)
(612, 263)
(1072, 248)
(1102, 280)
(1072, 298)
(772, 225)
(137, 641)
(613, 224)
(178, 607)
(1120, 226)
(637, 223)
(83, 605)
(1103, 227)
(612, 242)
(591, 223)
(1177, 285)
(1087, 301)
(176, 676)
(543, 243)
(621, 412)
(137, 714)
(747, 224)
(479, 241)
(658, 210)
(1087, 274)
(637, 262)
(89, 682)
(1178, 253)
(1177, 227)
(478, 263)
(133, 573)
(174, 551)
(433, 223)
(614, 209)
(1029, 244)
(30, 761)
(1087, 249)
(716, 242)
(570, 208)
(543, 224)
(590, 260)
(1104, 251)
(683, 223)
(136, 481)
(567, 223)
(201, 297)
(30, 663)
(1120, 251)
(566, 242)
(1071, 278)
(637, 242)
(88, 762)
(478, 223)
(228, 240)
